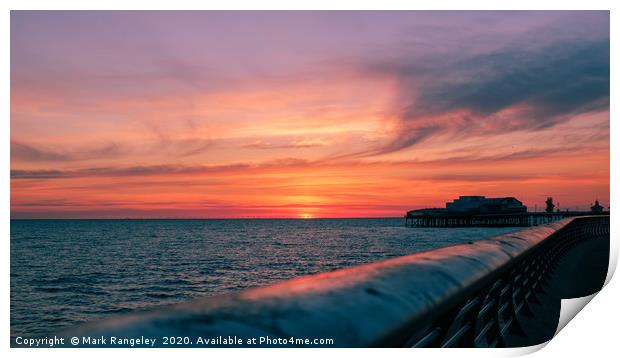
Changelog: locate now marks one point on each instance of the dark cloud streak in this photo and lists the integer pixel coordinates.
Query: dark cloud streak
(22, 151)
(279, 164)
(30, 153)
(560, 79)
(466, 95)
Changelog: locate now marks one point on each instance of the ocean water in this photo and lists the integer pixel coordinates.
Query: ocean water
(65, 272)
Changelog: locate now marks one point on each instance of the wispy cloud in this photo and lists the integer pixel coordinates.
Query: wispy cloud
(289, 164)
(26, 152)
(154, 170)
(279, 144)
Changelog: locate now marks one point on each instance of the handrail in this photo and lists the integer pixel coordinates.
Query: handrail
(464, 295)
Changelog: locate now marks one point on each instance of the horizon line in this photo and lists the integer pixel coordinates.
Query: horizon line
(222, 218)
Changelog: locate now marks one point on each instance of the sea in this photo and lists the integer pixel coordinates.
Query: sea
(66, 272)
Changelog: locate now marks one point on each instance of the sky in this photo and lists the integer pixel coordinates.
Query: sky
(207, 114)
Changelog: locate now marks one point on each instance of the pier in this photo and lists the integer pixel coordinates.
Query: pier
(499, 292)
(479, 211)
(416, 219)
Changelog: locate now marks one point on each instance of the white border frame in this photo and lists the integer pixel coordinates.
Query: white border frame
(593, 331)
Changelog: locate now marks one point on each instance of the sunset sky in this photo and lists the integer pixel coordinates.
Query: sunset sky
(304, 114)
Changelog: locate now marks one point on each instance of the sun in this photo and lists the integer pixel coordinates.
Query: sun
(305, 216)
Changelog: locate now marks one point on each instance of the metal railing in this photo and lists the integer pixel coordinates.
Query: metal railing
(481, 294)
(493, 315)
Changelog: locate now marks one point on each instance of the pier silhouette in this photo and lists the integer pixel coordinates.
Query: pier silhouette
(479, 211)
